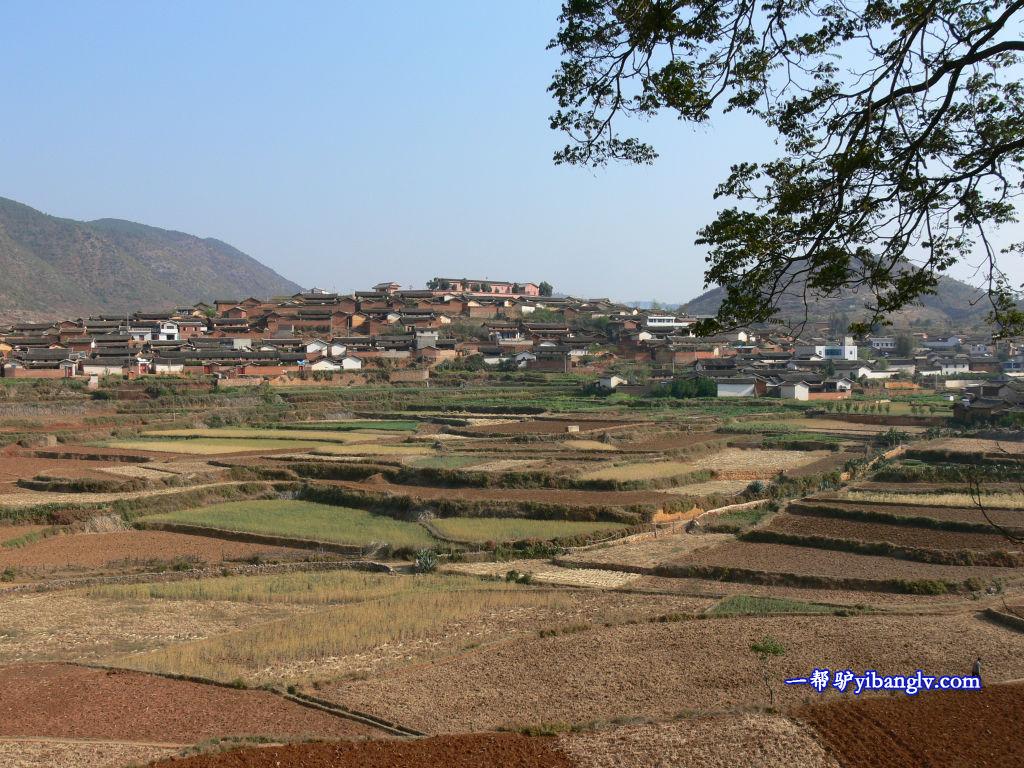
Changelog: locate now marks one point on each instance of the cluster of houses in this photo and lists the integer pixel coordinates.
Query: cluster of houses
(404, 334)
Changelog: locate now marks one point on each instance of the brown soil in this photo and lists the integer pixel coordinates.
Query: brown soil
(648, 552)
(94, 550)
(1008, 517)
(8, 532)
(765, 741)
(504, 750)
(830, 463)
(76, 702)
(14, 468)
(938, 730)
(672, 442)
(659, 670)
(902, 535)
(807, 561)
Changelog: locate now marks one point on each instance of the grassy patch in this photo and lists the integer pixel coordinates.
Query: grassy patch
(498, 529)
(371, 449)
(745, 605)
(737, 520)
(442, 462)
(304, 520)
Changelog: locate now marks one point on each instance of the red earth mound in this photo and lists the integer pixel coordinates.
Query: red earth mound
(67, 701)
(507, 750)
(938, 730)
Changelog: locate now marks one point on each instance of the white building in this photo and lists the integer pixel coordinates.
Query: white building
(883, 343)
(828, 350)
(666, 322)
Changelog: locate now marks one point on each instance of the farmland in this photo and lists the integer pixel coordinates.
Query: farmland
(366, 562)
(482, 529)
(302, 520)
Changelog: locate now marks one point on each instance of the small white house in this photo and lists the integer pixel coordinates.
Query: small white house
(795, 390)
(325, 364)
(351, 363)
(611, 382)
(740, 387)
(168, 366)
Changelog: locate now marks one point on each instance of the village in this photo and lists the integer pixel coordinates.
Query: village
(400, 336)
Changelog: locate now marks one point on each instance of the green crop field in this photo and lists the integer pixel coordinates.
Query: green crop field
(304, 520)
(499, 529)
(443, 462)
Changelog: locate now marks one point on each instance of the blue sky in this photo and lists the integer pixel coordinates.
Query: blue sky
(347, 143)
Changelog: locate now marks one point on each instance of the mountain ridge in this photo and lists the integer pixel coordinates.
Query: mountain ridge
(58, 267)
(953, 304)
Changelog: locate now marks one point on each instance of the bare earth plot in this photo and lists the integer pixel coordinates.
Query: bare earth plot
(648, 553)
(471, 750)
(1008, 517)
(904, 535)
(766, 741)
(785, 558)
(940, 730)
(131, 706)
(660, 670)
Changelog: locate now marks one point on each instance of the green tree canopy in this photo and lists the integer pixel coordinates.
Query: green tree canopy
(901, 124)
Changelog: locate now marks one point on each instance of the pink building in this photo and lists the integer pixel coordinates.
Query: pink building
(482, 287)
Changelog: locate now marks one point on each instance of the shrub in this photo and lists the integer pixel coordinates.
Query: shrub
(426, 561)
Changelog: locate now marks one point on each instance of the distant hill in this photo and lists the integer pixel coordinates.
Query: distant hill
(954, 304)
(55, 267)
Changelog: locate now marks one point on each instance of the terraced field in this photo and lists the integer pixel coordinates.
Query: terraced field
(805, 525)
(302, 520)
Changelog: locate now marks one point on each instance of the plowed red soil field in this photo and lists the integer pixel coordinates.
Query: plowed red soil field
(13, 468)
(76, 702)
(94, 550)
(1007, 517)
(903, 535)
(938, 730)
(483, 750)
